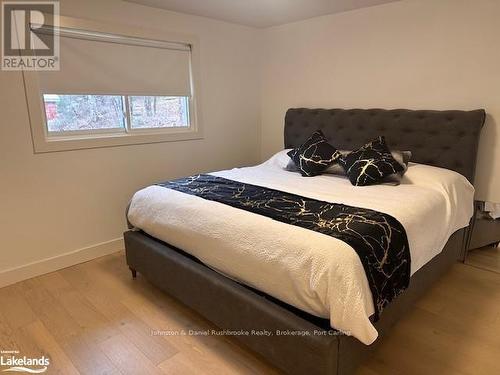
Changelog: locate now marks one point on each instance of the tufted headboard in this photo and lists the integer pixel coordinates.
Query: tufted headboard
(447, 139)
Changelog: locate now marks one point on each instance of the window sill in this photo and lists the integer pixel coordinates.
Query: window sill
(58, 143)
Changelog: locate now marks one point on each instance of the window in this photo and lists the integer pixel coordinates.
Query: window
(94, 114)
(80, 113)
(113, 90)
(150, 112)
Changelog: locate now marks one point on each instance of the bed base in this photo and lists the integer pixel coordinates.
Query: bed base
(232, 306)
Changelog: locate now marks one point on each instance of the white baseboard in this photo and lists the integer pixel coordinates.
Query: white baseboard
(43, 266)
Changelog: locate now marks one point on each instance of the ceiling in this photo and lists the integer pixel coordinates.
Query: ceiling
(260, 13)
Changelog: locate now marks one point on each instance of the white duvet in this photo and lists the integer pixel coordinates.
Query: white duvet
(311, 271)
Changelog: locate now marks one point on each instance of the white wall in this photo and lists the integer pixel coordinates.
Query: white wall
(55, 203)
(427, 54)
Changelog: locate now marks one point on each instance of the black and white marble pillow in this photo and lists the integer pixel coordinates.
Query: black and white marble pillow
(370, 164)
(402, 157)
(314, 155)
(335, 168)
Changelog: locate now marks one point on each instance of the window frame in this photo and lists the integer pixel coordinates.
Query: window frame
(85, 139)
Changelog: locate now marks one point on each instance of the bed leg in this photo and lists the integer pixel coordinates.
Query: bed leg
(134, 272)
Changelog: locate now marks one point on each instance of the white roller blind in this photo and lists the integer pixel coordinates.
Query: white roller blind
(122, 66)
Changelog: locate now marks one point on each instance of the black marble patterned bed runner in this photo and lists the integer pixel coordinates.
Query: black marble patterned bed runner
(379, 239)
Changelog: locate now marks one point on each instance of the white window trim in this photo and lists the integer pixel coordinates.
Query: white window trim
(43, 142)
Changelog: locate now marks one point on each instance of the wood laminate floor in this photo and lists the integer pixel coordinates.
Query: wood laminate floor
(94, 319)
(486, 257)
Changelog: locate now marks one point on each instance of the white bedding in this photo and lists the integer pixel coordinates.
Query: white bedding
(311, 271)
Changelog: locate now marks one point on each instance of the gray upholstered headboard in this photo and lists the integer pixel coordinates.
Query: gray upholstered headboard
(447, 139)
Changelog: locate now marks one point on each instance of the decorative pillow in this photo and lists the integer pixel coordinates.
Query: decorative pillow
(335, 168)
(370, 164)
(402, 157)
(314, 155)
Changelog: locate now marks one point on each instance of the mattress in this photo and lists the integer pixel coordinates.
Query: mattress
(314, 272)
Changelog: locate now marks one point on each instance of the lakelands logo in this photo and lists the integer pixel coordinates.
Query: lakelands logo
(29, 35)
(16, 363)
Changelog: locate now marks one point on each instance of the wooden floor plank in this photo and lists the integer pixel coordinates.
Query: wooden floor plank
(7, 341)
(95, 324)
(93, 318)
(49, 310)
(88, 358)
(181, 364)
(127, 357)
(206, 355)
(107, 303)
(486, 257)
(59, 361)
(15, 309)
(82, 351)
(154, 348)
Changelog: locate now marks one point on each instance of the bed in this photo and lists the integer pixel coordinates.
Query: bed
(238, 301)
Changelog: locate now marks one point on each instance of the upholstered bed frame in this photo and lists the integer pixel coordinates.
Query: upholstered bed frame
(447, 139)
